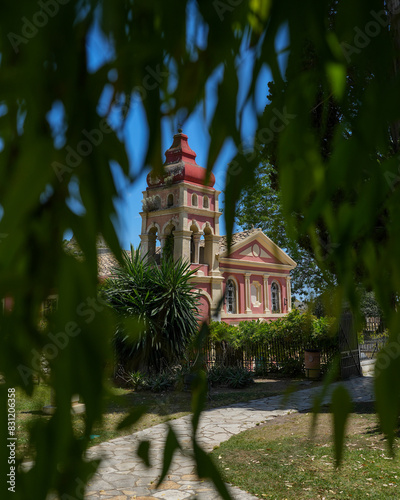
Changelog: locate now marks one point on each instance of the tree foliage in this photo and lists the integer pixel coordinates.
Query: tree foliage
(260, 205)
(62, 127)
(295, 327)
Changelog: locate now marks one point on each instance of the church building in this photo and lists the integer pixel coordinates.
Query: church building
(181, 216)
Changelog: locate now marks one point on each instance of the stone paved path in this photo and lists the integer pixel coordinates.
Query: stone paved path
(122, 476)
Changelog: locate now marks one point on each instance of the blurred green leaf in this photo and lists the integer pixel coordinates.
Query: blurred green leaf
(143, 452)
(171, 445)
(341, 407)
(134, 416)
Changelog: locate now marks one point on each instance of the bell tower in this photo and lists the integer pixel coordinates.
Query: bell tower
(180, 210)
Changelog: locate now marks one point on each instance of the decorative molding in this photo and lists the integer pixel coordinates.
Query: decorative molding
(248, 263)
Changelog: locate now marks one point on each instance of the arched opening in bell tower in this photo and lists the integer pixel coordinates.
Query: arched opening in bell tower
(168, 249)
(194, 243)
(152, 241)
(207, 253)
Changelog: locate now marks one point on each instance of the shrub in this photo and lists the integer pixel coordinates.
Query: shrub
(164, 304)
(281, 342)
(295, 327)
(233, 377)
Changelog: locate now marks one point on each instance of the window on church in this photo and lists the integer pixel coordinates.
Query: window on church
(230, 297)
(205, 202)
(170, 200)
(275, 299)
(157, 203)
(255, 291)
(194, 200)
(152, 243)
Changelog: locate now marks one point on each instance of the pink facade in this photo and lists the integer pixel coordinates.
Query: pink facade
(253, 279)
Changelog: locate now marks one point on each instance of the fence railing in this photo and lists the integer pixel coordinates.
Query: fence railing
(373, 327)
(262, 358)
(370, 348)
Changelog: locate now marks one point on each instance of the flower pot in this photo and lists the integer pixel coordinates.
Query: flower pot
(312, 363)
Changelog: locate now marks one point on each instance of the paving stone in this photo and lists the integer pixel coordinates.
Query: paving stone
(168, 485)
(189, 477)
(173, 494)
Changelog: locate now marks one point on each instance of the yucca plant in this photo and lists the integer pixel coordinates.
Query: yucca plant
(163, 301)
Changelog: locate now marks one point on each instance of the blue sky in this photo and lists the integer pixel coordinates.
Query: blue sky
(135, 135)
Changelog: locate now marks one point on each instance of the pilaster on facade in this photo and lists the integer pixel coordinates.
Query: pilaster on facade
(144, 244)
(216, 202)
(288, 294)
(183, 219)
(162, 243)
(196, 250)
(211, 252)
(266, 294)
(217, 294)
(247, 294)
(184, 199)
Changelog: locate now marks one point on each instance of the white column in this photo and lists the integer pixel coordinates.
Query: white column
(196, 242)
(216, 295)
(288, 294)
(266, 294)
(247, 298)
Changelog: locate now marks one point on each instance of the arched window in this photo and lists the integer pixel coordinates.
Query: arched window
(205, 202)
(168, 249)
(255, 294)
(275, 298)
(194, 200)
(230, 297)
(170, 200)
(152, 242)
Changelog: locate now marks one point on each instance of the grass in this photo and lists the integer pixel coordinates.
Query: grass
(280, 460)
(160, 408)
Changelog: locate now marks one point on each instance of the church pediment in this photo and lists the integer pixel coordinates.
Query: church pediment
(258, 248)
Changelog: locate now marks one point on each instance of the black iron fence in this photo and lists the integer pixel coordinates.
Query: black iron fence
(370, 348)
(265, 357)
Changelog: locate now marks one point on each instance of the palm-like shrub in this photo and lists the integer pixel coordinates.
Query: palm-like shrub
(163, 301)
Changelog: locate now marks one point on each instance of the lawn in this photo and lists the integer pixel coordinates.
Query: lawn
(161, 407)
(280, 460)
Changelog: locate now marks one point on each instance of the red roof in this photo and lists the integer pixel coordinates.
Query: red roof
(180, 164)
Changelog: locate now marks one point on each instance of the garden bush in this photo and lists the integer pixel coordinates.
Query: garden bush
(157, 312)
(230, 376)
(295, 327)
(276, 346)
